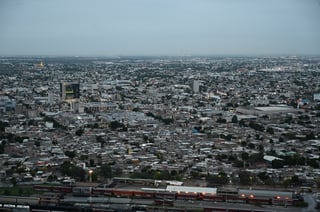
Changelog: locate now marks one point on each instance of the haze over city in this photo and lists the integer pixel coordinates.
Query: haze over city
(154, 27)
(160, 105)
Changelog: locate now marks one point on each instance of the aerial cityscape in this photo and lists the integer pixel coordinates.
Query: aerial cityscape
(160, 105)
(219, 122)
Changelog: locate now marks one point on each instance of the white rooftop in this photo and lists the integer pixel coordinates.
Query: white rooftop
(275, 108)
(270, 158)
(192, 189)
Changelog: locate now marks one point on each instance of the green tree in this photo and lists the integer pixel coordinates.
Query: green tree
(79, 132)
(37, 143)
(263, 176)
(52, 178)
(105, 171)
(270, 130)
(234, 119)
(277, 164)
(73, 171)
(2, 146)
(141, 175)
(261, 148)
(251, 146)
(220, 179)
(310, 136)
(295, 180)
(115, 125)
(174, 173)
(3, 125)
(243, 143)
(313, 163)
(167, 121)
(221, 120)
(244, 156)
(242, 123)
(91, 163)
(160, 175)
(238, 164)
(256, 157)
(100, 140)
(136, 109)
(13, 181)
(70, 154)
(246, 178)
(83, 157)
(256, 126)
(294, 160)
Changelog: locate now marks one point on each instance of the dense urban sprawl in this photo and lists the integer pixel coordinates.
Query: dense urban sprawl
(206, 121)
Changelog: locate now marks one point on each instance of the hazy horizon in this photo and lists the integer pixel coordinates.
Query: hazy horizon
(159, 28)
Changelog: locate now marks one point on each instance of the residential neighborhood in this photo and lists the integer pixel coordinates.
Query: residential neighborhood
(205, 121)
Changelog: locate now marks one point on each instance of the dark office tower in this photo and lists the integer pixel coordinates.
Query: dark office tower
(69, 91)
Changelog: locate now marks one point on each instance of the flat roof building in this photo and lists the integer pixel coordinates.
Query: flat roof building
(187, 189)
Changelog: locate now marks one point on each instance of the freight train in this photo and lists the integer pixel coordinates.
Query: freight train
(172, 193)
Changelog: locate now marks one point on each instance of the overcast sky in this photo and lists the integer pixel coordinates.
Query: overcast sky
(159, 27)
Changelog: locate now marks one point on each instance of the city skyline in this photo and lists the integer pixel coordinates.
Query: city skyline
(152, 27)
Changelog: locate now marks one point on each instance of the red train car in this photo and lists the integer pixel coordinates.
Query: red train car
(102, 192)
(187, 195)
(164, 194)
(60, 189)
(144, 194)
(123, 193)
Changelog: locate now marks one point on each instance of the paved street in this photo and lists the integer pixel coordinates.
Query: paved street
(310, 199)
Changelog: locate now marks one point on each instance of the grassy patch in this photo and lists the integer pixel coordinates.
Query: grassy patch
(301, 204)
(18, 191)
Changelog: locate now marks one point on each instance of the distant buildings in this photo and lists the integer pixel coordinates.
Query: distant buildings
(6, 104)
(316, 97)
(189, 117)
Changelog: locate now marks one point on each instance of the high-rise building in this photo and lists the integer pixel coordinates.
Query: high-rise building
(69, 91)
(196, 86)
